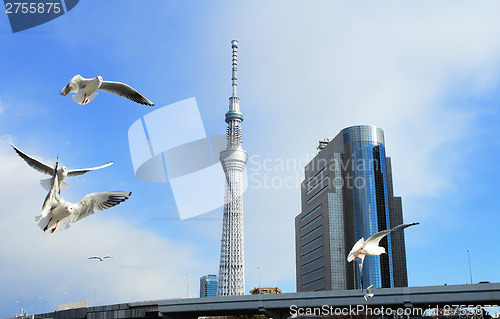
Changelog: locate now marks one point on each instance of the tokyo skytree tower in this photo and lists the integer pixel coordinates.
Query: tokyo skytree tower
(233, 160)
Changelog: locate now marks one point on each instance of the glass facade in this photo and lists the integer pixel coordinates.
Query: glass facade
(368, 179)
(208, 286)
(337, 230)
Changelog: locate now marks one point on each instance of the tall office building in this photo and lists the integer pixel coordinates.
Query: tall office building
(208, 286)
(233, 160)
(347, 194)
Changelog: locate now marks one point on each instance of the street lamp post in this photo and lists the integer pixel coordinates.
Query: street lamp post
(39, 303)
(187, 285)
(470, 268)
(95, 291)
(259, 267)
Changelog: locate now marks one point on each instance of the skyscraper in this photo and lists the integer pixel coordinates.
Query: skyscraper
(208, 286)
(233, 160)
(347, 194)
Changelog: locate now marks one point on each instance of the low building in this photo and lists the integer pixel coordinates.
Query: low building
(208, 286)
(265, 290)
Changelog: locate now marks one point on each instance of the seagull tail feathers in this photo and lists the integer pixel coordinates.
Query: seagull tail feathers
(47, 184)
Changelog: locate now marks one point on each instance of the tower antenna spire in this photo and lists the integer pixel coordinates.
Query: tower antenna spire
(234, 77)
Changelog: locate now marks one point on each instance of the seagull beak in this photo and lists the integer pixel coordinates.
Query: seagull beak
(67, 211)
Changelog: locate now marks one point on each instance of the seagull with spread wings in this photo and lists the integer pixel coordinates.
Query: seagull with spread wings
(56, 210)
(368, 293)
(86, 90)
(371, 247)
(62, 173)
(100, 258)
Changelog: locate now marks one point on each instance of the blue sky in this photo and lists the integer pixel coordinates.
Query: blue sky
(427, 74)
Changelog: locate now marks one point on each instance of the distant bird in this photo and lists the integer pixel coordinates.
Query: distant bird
(62, 173)
(371, 247)
(368, 293)
(56, 210)
(89, 87)
(100, 258)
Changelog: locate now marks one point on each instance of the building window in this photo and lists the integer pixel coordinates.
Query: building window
(313, 272)
(312, 252)
(313, 262)
(317, 184)
(310, 213)
(317, 194)
(314, 177)
(317, 281)
(312, 232)
(312, 242)
(310, 223)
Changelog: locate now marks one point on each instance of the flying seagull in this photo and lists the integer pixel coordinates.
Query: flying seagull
(56, 210)
(368, 292)
(87, 90)
(371, 247)
(100, 258)
(62, 173)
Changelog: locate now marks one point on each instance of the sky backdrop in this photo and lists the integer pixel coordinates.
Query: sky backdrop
(427, 73)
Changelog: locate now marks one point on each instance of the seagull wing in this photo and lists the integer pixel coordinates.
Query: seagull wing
(375, 238)
(33, 162)
(124, 90)
(369, 289)
(95, 202)
(354, 251)
(81, 171)
(403, 226)
(94, 257)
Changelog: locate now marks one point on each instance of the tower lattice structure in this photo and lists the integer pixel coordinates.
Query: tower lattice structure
(233, 160)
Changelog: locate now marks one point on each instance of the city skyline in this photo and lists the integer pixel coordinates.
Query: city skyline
(428, 74)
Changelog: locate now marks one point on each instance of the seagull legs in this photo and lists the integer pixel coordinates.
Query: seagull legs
(359, 252)
(47, 227)
(85, 99)
(54, 229)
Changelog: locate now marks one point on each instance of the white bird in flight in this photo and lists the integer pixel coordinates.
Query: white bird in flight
(100, 258)
(62, 173)
(56, 211)
(371, 247)
(368, 293)
(88, 90)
